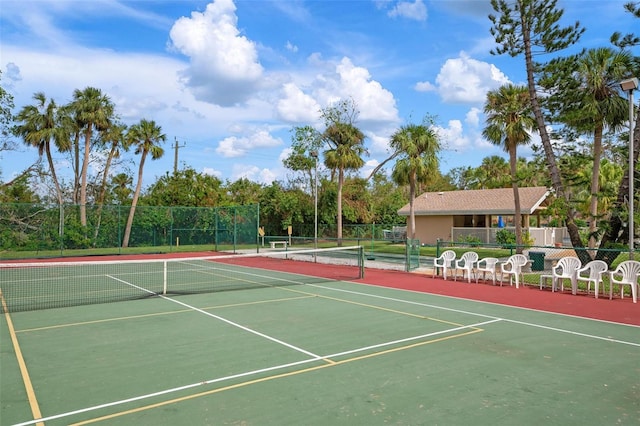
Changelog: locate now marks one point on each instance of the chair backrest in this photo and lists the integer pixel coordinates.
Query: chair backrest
(469, 257)
(518, 260)
(569, 264)
(488, 262)
(629, 269)
(448, 256)
(595, 268)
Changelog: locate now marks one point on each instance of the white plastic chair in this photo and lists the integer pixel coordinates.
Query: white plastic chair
(625, 274)
(592, 273)
(444, 262)
(487, 265)
(466, 265)
(566, 268)
(513, 268)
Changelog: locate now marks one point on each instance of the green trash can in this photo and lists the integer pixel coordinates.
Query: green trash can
(537, 260)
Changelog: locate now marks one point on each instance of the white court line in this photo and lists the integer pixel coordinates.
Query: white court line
(240, 269)
(428, 305)
(242, 327)
(492, 319)
(248, 373)
(545, 327)
(559, 330)
(575, 333)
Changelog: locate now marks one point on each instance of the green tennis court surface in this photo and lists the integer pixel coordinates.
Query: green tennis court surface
(315, 353)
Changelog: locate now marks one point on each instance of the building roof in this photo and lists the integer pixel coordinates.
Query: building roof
(478, 201)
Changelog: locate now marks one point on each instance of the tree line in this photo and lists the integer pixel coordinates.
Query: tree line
(573, 102)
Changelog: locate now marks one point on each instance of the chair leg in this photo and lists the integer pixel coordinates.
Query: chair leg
(610, 290)
(621, 291)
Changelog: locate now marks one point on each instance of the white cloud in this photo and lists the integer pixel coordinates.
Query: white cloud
(296, 106)
(374, 102)
(416, 10)
(212, 172)
(459, 139)
(453, 136)
(473, 117)
(379, 142)
(368, 168)
(253, 173)
(303, 98)
(130, 80)
(291, 47)
(233, 146)
(466, 80)
(224, 67)
(11, 76)
(425, 86)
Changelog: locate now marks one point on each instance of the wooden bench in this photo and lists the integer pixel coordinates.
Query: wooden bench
(274, 243)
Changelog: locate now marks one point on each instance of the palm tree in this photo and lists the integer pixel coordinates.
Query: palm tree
(492, 173)
(417, 146)
(531, 28)
(509, 120)
(93, 110)
(39, 126)
(346, 146)
(71, 124)
(121, 187)
(146, 136)
(114, 136)
(598, 106)
(610, 176)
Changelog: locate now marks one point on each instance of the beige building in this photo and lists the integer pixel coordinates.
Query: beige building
(448, 215)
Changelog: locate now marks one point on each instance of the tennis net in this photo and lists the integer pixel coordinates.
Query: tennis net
(43, 285)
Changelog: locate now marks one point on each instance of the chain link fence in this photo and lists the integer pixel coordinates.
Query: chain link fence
(41, 229)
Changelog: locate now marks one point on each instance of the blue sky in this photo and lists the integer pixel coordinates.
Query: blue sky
(230, 79)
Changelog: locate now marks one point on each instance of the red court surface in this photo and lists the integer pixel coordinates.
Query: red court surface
(530, 297)
(583, 305)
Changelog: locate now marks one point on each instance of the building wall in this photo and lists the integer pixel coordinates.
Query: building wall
(431, 228)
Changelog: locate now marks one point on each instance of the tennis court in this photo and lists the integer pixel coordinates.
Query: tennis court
(297, 342)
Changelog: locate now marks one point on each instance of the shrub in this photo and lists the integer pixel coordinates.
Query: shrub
(508, 238)
(471, 240)
(505, 237)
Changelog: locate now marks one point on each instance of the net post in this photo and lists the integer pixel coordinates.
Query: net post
(164, 277)
(361, 261)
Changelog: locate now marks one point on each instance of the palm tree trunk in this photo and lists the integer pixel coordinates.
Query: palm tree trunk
(103, 190)
(595, 186)
(617, 232)
(76, 168)
(513, 160)
(83, 177)
(339, 218)
(58, 190)
(134, 202)
(556, 180)
(412, 210)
